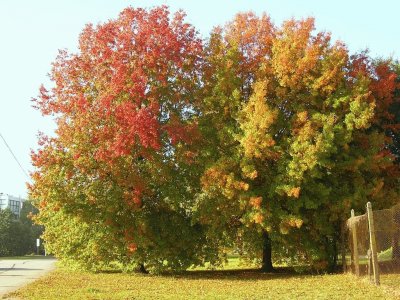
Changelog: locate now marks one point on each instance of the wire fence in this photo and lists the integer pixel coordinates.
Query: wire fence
(373, 243)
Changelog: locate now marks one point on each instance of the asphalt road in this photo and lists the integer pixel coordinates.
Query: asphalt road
(15, 273)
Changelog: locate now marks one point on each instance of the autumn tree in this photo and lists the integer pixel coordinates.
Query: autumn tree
(291, 139)
(115, 182)
(167, 153)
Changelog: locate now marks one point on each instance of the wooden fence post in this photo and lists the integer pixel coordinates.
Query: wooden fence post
(355, 245)
(343, 242)
(372, 241)
(369, 264)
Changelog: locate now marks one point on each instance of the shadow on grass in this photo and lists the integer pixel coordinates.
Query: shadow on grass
(110, 271)
(238, 274)
(385, 267)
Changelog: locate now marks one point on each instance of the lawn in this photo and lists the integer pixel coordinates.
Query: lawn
(201, 284)
(26, 257)
(391, 283)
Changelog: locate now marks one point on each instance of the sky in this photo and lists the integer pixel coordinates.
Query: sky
(31, 32)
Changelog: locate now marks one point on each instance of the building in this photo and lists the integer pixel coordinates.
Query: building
(11, 202)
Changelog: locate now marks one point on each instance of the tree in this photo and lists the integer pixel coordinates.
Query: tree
(33, 231)
(269, 135)
(14, 235)
(6, 223)
(126, 126)
(293, 139)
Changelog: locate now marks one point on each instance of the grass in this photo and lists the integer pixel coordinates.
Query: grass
(391, 283)
(200, 284)
(25, 257)
(234, 263)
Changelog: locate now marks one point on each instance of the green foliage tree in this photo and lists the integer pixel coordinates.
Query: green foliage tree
(15, 237)
(294, 139)
(33, 231)
(6, 222)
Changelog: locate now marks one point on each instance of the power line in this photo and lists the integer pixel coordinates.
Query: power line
(12, 153)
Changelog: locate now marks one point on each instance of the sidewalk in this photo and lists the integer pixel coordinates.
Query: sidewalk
(15, 273)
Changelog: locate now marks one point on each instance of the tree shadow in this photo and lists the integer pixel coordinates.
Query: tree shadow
(389, 267)
(236, 274)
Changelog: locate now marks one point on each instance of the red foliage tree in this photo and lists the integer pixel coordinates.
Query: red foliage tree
(125, 112)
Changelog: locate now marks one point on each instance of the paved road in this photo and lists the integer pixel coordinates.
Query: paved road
(15, 273)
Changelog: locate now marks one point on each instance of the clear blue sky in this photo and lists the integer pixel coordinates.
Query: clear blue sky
(32, 31)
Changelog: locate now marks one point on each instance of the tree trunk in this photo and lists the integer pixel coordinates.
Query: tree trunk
(267, 253)
(395, 245)
(142, 269)
(332, 260)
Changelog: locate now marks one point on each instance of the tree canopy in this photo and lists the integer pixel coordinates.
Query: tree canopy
(170, 149)
(124, 108)
(18, 235)
(299, 136)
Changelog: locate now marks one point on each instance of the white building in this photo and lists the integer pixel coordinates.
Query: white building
(11, 202)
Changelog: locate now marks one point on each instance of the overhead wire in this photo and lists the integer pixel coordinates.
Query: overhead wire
(13, 155)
